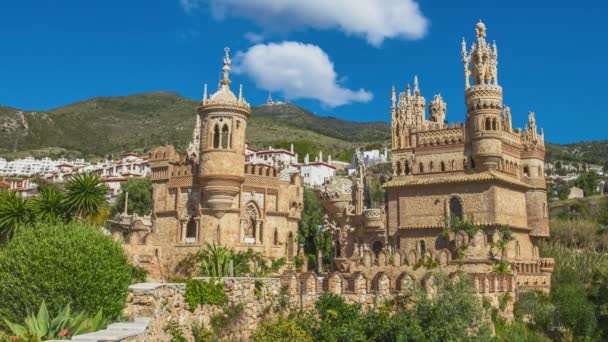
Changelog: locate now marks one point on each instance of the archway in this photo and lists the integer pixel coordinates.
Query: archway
(455, 208)
(191, 231)
(377, 247)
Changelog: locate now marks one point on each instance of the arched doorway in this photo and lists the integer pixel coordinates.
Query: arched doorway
(377, 247)
(251, 224)
(191, 231)
(290, 246)
(455, 208)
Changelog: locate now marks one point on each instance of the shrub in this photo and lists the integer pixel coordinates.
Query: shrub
(61, 264)
(65, 324)
(281, 330)
(200, 292)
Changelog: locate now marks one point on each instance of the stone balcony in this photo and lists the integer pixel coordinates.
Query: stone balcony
(546, 264)
(373, 218)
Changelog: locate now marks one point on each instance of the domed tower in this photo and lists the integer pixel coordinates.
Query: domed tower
(222, 158)
(483, 99)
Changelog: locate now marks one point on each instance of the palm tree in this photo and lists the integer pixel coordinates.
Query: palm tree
(85, 195)
(49, 206)
(14, 211)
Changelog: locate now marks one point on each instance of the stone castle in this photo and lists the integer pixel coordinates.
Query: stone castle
(482, 171)
(211, 195)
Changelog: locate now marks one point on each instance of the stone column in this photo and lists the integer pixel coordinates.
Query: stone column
(257, 231)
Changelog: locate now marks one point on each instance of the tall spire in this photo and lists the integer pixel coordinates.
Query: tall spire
(226, 69)
(416, 89)
(205, 93)
(241, 93)
(393, 99)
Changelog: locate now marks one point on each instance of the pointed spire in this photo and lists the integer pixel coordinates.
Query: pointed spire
(408, 89)
(205, 93)
(226, 69)
(416, 89)
(393, 98)
(241, 94)
(464, 47)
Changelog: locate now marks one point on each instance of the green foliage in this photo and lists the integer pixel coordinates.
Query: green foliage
(14, 212)
(85, 195)
(310, 233)
(375, 192)
(216, 261)
(200, 293)
(426, 262)
(344, 155)
(201, 334)
(49, 206)
(281, 330)
(587, 181)
(140, 197)
(59, 264)
(174, 330)
(138, 274)
(64, 325)
(298, 263)
(456, 224)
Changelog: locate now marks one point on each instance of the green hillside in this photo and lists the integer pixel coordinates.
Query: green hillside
(108, 125)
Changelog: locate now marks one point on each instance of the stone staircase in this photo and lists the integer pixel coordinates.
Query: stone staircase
(124, 331)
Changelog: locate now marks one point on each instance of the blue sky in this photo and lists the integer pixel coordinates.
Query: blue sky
(332, 57)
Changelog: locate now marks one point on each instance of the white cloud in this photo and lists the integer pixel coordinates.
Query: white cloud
(254, 37)
(376, 20)
(298, 71)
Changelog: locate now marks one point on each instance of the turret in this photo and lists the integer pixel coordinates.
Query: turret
(438, 110)
(483, 100)
(222, 158)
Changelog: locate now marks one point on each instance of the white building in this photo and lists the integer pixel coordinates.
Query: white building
(30, 166)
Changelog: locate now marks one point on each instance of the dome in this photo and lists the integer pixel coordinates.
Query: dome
(223, 96)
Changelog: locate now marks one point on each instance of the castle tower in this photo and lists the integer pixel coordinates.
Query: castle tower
(483, 99)
(222, 158)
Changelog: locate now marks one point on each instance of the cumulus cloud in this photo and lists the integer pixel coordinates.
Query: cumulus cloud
(298, 71)
(375, 20)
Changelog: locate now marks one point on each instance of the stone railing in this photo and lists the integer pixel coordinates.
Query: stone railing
(373, 218)
(493, 283)
(547, 264)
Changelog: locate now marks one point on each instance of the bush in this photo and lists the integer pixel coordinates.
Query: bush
(200, 292)
(61, 264)
(281, 330)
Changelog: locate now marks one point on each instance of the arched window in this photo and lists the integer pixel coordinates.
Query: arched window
(488, 124)
(455, 208)
(431, 166)
(442, 166)
(290, 246)
(422, 247)
(494, 125)
(526, 171)
(407, 168)
(216, 136)
(398, 168)
(225, 136)
(276, 237)
(421, 168)
(191, 231)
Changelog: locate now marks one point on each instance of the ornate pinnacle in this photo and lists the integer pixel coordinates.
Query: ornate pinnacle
(416, 89)
(205, 93)
(393, 98)
(408, 88)
(241, 94)
(226, 68)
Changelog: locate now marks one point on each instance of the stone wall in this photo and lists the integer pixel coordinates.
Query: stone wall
(263, 298)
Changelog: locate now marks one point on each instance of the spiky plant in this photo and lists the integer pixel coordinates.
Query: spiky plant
(64, 325)
(85, 195)
(49, 206)
(216, 261)
(14, 211)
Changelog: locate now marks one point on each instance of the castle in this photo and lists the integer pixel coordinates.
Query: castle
(211, 195)
(483, 172)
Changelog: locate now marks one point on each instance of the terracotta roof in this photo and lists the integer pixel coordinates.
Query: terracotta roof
(477, 177)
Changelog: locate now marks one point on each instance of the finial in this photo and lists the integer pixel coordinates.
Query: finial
(408, 88)
(226, 68)
(393, 98)
(464, 47)
(416, 89)
(241, 93)
(205, 93)
(480, 29)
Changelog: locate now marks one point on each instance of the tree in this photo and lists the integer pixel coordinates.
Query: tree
(48, 205)
(60, 264)
(85, 195)
(14, 212)
(310, 232)
(140, 197)
(587, 181)
(283, 330)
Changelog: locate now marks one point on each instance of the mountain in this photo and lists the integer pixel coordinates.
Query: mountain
(108, 125)
(101, 126)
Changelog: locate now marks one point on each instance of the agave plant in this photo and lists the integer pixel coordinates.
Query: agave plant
(502, 267)
(85, 195)
(14, 211)
(64, 325)
(216, 261)
(49, 206)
